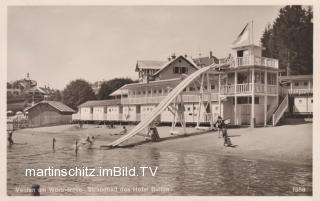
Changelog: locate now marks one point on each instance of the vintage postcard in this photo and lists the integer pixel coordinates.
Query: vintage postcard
(160, 100)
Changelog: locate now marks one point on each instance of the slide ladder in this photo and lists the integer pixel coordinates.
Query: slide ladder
(162, 105)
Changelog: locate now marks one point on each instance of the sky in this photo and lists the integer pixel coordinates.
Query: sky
(57, 44)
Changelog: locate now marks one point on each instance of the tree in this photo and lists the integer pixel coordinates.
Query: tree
(111, 85)
(77, 92)
(57, 95)
(290, 40)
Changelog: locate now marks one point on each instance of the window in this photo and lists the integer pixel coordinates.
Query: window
(305, 83)
(149, 92)
(159, 91)
(154, 91)
(247, 100)
(296, 84)
(300, 101)
(213, 86)
(176, 70)
(144, 92)
(179, 70)
(188, 108)
(311, 100)
(183, 70)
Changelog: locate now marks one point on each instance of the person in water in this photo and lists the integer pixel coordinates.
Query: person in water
(89, 140)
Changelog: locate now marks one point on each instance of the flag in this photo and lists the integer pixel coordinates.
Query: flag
(244, 37)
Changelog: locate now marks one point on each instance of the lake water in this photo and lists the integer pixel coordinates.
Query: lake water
(178, 173)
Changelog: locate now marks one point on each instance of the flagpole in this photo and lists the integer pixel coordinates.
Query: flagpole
(252, 42)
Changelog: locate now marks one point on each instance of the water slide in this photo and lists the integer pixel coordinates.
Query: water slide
(162, 105)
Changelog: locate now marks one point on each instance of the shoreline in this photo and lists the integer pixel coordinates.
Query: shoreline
(290, 144)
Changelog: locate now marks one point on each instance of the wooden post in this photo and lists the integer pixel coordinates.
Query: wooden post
(219, 98)
(265, 98)
(182, 120)
(53, 143)
(235, 97)
(209, 100)
(252, 100)
(201, 100)
(277, 84)
(76, 147)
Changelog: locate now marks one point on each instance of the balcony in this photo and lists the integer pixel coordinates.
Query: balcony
(187, 98)
(255, 60)
(244, 89)
(300, 91)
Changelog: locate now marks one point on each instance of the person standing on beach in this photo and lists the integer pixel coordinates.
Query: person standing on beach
(219, 124)
(10, 140)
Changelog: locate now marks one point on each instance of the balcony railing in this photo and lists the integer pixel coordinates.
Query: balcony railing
(247, 88)
(255, 60)
(188, 97)
(300, 91)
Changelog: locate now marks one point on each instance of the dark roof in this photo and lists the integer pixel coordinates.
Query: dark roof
(168, 82)
(55, 104)
(296, 77)
(100, 103)
(205, 61)
(149, 64)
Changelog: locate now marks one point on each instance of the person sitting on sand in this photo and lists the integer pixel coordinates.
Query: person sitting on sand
(124, 131)
(153, 133)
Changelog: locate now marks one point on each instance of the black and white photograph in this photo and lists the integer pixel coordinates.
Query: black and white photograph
(159, 100)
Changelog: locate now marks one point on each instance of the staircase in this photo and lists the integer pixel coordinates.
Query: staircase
(280, 110)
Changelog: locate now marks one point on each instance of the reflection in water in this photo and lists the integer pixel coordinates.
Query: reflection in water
(181, 173)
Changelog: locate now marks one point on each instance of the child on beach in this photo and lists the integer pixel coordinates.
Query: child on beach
(219, 124)
(10, 140)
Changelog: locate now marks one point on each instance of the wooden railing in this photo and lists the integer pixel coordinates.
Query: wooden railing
(247, 88)
(244, 88)
(280, 111)
(300, 91)
(255, 60)
(189, 97)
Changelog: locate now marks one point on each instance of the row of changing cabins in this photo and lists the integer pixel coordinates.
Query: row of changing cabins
(113, 111)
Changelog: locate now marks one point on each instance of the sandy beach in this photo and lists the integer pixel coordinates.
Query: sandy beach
(290, 143)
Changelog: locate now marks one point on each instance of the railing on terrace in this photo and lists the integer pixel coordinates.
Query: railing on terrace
(189, 97)
(247, 88)
(300, 91)
(255, 60)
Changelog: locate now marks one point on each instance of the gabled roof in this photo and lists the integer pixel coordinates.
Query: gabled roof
(179, 57)
(100, 103)
(119, 91)
(149, 64)
(55, 104)
(205, 61)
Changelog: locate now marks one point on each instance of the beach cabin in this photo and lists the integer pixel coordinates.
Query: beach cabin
(100, 110)
(300, 91)
(47, 113)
